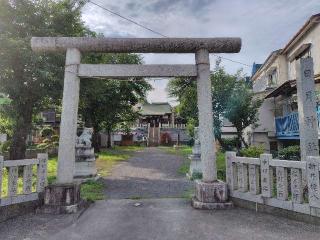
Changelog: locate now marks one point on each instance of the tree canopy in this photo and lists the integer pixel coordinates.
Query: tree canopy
(232, 98)
(105, 103)
(33, 80)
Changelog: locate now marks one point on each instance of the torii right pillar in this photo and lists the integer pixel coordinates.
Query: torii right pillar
(210, 193)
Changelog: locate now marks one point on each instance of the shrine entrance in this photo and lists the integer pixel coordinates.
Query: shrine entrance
(74, 71)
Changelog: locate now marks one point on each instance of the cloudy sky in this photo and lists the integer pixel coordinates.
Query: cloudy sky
(263, 26)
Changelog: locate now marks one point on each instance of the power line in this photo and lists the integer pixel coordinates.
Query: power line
(153, 31)
(128, 19)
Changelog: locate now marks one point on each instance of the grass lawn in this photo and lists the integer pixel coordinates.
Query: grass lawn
(91, 190)
(108, 158)
(183, 151)
(186, 150)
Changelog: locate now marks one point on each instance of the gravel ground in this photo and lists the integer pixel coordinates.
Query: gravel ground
(150, 173)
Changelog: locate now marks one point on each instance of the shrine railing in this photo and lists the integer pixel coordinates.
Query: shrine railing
(15, 188)
(290, 185)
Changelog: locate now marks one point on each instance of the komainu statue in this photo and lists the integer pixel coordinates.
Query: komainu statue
(85, 162)
(85, 138)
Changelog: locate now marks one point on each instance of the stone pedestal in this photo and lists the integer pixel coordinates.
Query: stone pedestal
(213, 195)
(61, 198)
(195, 165)
(195, 157)
(85, 165)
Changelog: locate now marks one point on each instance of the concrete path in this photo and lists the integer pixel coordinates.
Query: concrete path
(150, 173)
(150, 178)
(174, 219)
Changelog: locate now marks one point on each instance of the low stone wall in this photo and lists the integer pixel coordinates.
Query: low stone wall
(275, 211)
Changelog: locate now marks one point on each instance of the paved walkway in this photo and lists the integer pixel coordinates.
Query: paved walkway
(174, 219)
(150, 179)
(151, 173)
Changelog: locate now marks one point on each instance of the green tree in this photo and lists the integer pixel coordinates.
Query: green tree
(232, 98)
(33, 80)
(105, 103)
(242, 109)
(5, 125)
(185, 90)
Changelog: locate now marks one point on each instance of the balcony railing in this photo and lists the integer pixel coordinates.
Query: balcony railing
(287, 127)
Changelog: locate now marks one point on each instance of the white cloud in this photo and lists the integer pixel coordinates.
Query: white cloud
(263, 25)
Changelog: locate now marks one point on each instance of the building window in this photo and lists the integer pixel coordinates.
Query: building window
(272, 78)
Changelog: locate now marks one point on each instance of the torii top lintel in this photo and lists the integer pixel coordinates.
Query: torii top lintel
(136, 45)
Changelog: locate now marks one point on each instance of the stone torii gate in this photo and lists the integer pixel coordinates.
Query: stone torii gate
(210, 193)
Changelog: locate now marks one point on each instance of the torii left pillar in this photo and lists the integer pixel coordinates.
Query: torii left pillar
(64, 195)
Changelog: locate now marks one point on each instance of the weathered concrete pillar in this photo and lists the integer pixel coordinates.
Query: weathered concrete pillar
(209, 192)
(68, 128)
(206, 136)
(308, 124)
(64, 195)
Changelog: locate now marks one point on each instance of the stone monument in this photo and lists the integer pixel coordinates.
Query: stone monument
(195, 157)
(85, 164)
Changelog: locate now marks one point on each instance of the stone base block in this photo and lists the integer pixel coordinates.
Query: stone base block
(62, 198)
(210, 206)
(212, 195)
(211, 192)
(195, 165)
(85, 170)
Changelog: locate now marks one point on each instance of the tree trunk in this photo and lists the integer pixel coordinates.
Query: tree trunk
(244, 142)
(109, 145)
(218, 137)
(96, 141)
(22, 129)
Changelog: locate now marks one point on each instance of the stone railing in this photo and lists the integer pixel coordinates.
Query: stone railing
(276, 183)
(31, 187)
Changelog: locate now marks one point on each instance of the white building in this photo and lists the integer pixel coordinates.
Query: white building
(275, 81)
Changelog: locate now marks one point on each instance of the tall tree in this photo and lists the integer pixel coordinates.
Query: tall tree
(242, 109)
(185, 90)
(232, 98)
(105, 103)
(32, 80)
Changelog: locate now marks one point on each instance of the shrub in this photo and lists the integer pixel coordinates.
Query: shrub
(228, 144)
(5, 146)
(55, 138)
(221, 165)
(196, 175)
(49, 144)
(290, 153)
(252, 151)
(43, 146)
(191, 124)
(47, 131)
